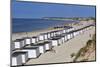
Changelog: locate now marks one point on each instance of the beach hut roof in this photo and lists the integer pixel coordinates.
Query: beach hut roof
(55, 31)
(30, 47)
(26, 37)
(55, 38)
(48, 32)
(67, 26)
(41, 43)
(36, 45)
(46, 42)
(34, 37)
(18, 53)
(17, 40)
(43, 33)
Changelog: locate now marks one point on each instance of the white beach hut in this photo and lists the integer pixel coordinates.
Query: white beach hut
(48, 45)
(68, 30)
(56, 41)
(57, 33)
(74, 33)
(41, 37)
(62, 38)
(71, 34)
(19, 58)
(17, 44)
(45, 36)
(33, 52)
(68, 36)
(61, 32)
(52, 33)
(16, 60)
(24, 57)
(49, 35)
(27, 40)
(34, 39)
(65, 36)
(64, 31)
(22, 41)
(73, 29)
(41, 47)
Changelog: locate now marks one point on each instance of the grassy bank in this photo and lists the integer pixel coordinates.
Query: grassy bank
(84, 53)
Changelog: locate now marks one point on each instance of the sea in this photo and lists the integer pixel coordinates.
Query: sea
(28, 25)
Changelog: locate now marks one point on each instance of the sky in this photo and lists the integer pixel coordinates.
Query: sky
(39, 10)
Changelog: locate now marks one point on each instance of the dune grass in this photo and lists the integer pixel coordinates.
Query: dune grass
(83, 50)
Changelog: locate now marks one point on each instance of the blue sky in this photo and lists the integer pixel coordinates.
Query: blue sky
(39, 10)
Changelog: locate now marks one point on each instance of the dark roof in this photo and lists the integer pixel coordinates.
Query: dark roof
(30, 47)
(43, 33)
(19, 53)
(55, 38)
(40, 44)
(62, 35)
(26, 37)
(34, 37)
(68, 27)
(17, 40)
(54, 31)
(46, 42)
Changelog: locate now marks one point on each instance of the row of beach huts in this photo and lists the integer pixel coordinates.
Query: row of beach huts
(27, 48)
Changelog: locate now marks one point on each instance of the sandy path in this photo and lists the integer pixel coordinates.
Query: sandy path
(64, 51)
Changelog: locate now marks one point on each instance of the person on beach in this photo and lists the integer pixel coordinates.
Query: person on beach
(52, 50)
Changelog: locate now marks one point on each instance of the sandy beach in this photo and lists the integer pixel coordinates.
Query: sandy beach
(63, 52)
(44, 33)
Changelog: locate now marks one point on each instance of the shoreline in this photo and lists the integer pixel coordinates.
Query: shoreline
(66, 49)
(19, 35)
(32, 33)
